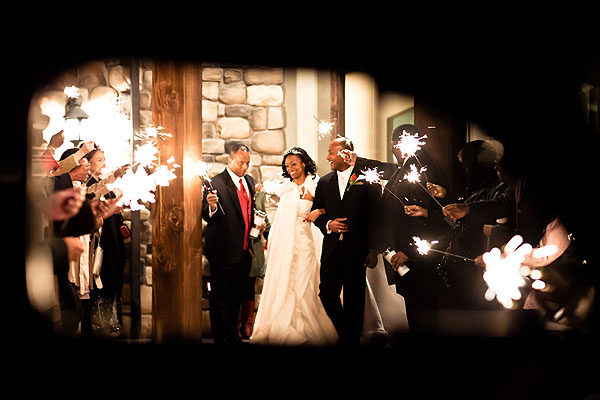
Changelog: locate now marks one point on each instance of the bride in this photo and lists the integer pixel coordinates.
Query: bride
(290, 312)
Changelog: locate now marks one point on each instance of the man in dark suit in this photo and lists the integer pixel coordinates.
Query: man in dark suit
(229, 213)
(349, 225)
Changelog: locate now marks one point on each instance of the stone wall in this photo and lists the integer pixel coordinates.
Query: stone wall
(244, 104)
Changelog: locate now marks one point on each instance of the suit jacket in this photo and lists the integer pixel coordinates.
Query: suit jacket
(224, 233)
(361, 206)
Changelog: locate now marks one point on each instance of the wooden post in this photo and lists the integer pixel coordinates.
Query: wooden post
(337, 102)
(177, 254)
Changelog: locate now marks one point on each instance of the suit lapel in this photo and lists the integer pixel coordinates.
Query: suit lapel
(347, 191)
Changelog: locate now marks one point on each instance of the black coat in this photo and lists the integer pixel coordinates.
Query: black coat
(83, 222)
(398, 229)
(224, 233)
(361, 206)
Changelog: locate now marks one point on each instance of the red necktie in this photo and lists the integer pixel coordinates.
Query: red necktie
(245, 206)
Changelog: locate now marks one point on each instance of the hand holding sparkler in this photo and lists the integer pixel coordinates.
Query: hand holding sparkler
(456, 211)
(416, 211)
(349, 156)
(202, 172)
(414, 176)
(436, 190)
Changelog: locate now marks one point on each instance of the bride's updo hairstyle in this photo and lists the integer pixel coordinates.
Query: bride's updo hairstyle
(310, 168)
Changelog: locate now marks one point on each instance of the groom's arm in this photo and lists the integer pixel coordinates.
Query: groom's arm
(374, 208)
(319, 203)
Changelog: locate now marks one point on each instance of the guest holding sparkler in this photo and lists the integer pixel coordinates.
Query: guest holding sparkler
(227, 241)
(409, 211)
(111, 241)
(568, 293)
(467, 237)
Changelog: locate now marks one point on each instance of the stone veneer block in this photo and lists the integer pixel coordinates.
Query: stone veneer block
(213, 146)
(265, 95)
(232, 93)
(210, 90)
(275, 118)
(209, 130)
(233, 128)
(255, 159)
(209, 111)
(272, 160)
(258, 119)
(269, 142)
(263, 76)
(212, 74)
(268, 172)
(232, 75)
(238, 110)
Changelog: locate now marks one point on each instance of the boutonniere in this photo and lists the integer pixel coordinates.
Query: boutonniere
(354, 181)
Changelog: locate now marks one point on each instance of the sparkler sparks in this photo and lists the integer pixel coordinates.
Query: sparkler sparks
(371, 175)
(505, 272)
(414, 175)
(136, 187)
(409, 144)
(423, 246)
(324, 128)
(146, 154)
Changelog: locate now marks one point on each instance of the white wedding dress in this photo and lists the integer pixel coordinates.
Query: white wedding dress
(290, 312)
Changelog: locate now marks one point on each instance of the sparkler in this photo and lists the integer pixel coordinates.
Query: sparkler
(324, 128)
(424, 247)
(202, 172)
(414, 176)
(135, 186)
(372, 175)
(409, 144)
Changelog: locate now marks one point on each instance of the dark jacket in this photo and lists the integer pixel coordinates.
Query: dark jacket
(224, 233)
(361, 206)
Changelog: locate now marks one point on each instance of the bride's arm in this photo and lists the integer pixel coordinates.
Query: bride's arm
(314, 214)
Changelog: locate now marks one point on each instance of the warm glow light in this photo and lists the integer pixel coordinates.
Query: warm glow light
(136, 187)
(72, 92)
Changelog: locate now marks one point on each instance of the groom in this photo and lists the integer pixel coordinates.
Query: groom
(350, 226)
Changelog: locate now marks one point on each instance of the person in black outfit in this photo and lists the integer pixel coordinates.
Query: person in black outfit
(111, 242)
(350, 227)
(424, 285)
(466, 285)
(229, 213)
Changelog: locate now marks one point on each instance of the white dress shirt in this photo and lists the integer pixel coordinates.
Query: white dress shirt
(343, 178)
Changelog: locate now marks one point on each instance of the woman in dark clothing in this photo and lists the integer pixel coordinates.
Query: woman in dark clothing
(467, 237)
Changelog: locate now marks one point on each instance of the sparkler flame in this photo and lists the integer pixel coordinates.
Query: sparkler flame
(146, 154)
(409, 144)
(371, 175)
(415, 174)
(504, 274)
(136, 187)
(324, 128)
(423, 246)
